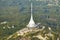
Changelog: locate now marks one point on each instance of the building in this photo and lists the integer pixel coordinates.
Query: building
(31, 22)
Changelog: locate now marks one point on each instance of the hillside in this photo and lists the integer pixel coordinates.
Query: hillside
(17, 15)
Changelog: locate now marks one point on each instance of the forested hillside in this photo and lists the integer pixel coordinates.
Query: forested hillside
(17, 13)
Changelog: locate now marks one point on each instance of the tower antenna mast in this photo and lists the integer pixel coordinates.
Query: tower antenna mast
(31, 22)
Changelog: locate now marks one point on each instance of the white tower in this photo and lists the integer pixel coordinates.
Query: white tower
(31, 22)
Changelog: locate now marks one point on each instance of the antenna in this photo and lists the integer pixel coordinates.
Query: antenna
(31, 9)
(31, 22)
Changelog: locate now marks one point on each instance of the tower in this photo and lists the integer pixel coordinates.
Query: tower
(31, 22)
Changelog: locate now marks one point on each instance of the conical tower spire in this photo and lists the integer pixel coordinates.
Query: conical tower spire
(31, 22)
(31, 11)
(31, 19)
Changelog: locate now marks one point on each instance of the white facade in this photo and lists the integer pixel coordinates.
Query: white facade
(31, 22)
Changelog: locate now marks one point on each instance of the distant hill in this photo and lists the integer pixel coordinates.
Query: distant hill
(13, 7)
(6, 3)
